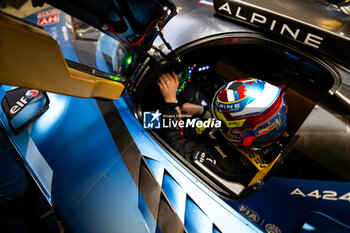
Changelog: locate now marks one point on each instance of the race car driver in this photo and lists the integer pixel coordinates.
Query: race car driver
(221, 150)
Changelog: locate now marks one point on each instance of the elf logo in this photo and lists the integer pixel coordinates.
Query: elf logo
(23, 101)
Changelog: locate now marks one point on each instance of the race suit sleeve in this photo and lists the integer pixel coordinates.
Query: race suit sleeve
(172, 135)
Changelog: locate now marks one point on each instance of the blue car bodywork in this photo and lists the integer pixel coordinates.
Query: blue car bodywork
(99, 182)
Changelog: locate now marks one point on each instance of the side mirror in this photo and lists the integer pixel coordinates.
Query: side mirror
(23, 106)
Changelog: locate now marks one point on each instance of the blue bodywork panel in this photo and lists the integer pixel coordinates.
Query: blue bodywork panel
(72, 155)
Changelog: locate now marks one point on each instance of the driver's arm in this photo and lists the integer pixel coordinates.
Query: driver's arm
(168, 84)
